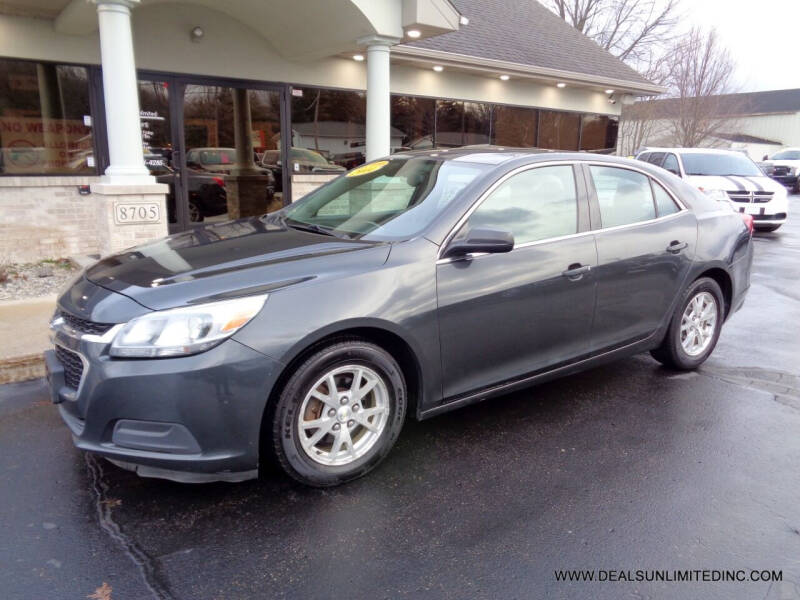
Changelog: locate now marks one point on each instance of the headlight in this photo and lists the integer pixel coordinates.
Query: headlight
(183, 331)
(718, 195)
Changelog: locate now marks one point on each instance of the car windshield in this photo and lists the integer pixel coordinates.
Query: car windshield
(787, 155)
(308, 156)
(698, 163)
(385, 200)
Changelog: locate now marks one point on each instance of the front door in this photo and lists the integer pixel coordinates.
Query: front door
(644, 248)
(502, 316)
(210, 141)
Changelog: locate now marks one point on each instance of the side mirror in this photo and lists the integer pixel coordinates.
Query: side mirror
(490, 241)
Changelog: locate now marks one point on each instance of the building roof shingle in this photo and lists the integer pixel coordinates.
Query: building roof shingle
(527, 33)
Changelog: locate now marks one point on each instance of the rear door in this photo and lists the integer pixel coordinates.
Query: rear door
(645, 244)
(503, 316)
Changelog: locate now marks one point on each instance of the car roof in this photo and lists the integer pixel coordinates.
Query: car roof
(498, 156)
(690, 150)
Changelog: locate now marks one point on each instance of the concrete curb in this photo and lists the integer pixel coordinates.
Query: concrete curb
(21, 368)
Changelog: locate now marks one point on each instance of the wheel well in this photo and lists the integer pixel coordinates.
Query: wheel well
(392, 343)
(724, 282)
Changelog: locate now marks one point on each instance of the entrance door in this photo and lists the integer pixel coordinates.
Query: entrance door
(213, 142)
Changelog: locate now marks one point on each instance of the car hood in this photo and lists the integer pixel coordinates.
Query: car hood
(782, 163)
(224, 260)
(731, 183)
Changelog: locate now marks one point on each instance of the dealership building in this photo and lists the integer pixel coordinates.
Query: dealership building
(122, 120)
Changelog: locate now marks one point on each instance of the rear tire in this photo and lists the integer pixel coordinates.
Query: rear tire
(324, 439)
(691, 336)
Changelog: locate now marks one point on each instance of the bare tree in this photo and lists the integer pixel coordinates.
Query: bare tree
(698, 72)
(701, 76)
(638, 121)
(629, 29)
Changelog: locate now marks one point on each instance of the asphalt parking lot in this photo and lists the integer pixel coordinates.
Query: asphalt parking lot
(625, 467)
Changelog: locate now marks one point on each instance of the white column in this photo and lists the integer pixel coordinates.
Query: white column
(121, 94)
(378, 96)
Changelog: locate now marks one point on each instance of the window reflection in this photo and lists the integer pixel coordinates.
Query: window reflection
(414, 119)
(598, 133)
(514, 126)
(558, 130)
(534, 205)
(45, 119)
(332, 123)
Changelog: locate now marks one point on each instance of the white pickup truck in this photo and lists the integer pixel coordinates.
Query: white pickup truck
(784, 167)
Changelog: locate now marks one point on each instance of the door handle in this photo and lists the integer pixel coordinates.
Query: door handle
(676, 246)
(575, 271)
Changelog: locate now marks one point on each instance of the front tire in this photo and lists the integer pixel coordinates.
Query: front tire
(339, 414)
(694, 328)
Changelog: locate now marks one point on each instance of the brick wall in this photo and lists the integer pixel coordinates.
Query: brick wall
(46, 217)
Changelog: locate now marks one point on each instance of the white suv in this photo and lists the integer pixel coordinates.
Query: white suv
(727, 176)
(784, 167)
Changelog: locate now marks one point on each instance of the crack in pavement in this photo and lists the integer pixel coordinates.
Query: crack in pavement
(140, 558)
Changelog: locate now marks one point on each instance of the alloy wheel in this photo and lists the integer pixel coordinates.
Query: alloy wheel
(698, 323)
(343, 415)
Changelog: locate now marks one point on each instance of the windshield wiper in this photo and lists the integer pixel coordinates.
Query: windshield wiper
(312, 227)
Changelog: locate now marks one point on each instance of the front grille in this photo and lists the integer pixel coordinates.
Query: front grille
(84, 325)
(73, 367)
(748, 197)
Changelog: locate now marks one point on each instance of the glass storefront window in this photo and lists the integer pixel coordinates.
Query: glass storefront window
(331, 123)
(477, 123)
(413, 119)
(559, 130)
(598, 133)
(45, 119)
(514, 127)
(462, 123)
(449, 124)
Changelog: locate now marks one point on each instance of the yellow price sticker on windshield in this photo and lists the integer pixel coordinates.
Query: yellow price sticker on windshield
(367, 168)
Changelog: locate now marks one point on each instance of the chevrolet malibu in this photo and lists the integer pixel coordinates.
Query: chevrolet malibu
(408, 286)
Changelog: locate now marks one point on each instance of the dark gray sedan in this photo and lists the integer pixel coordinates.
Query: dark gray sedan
(408, 286)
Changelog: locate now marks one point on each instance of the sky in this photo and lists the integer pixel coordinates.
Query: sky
(763, 37)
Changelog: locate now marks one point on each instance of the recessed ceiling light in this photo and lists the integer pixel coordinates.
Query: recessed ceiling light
(438, 68)
(413, 33)
(561, 85)
(463, 20)
(609, 91)
(358, 57)
(504, 77)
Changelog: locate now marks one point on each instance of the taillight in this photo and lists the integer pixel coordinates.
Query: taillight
(748, 222)
(219, 181)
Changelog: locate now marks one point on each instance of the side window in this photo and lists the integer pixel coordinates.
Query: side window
(534, 205)
(664, 202)
(671, 164)
(644, 156)
(624, 196)
(656, 158)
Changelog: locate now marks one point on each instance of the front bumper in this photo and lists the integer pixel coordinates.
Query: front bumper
(190, 419)
(787, 180)
(774, 212)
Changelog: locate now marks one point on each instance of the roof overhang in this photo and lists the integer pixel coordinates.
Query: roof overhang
(299, 29)
(427, 57)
